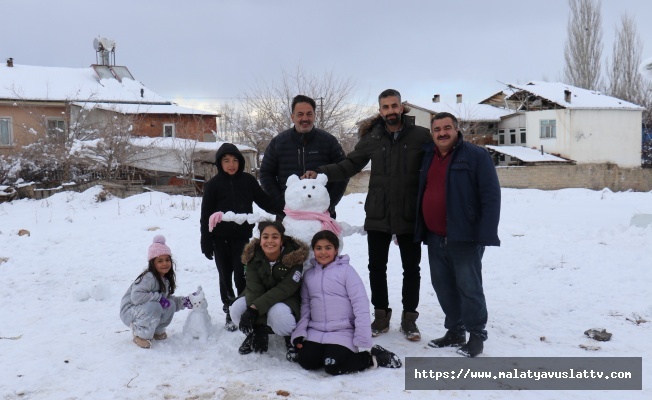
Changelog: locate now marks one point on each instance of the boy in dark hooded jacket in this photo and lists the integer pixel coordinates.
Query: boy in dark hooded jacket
(231, 189)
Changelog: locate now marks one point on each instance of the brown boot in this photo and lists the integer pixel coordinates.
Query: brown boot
(409, 326)
(381, 321)
(160, 336)
(142, 343)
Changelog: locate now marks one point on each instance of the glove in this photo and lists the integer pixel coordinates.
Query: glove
(214, 219)
(165, 303)
(247, 320)
(298, 342)
(187, 303)
(207, 246)
(261, 340)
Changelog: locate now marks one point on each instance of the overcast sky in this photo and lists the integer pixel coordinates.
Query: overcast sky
(212, 51)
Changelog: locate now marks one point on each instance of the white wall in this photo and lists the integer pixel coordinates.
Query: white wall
(590, 136)
(421, 118)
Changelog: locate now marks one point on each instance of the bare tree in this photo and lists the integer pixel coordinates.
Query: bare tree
(266, 107)
(583, 48)
(625, 82)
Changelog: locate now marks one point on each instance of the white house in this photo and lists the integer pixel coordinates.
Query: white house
(577, 124)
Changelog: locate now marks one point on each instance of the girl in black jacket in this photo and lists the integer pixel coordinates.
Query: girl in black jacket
(231, 189)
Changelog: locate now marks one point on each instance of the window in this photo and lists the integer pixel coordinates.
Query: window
(548, 128)
(501, 139)
(512, 136)
(5, 132)
(56, 129)
(168, 130)
(523, 136)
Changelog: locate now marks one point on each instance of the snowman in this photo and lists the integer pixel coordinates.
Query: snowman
(306, 211)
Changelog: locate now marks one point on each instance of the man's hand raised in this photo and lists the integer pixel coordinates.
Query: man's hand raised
(309, 175)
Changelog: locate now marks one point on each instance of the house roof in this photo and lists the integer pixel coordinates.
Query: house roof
(178, 143)
(465, 111)
(36, 83)
(580, 98)
(526, 154)
(144, 108)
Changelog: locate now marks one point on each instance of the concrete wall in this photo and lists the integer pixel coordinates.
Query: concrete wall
(553, 177)
(590, 176)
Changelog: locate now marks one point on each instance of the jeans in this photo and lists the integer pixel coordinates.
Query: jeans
(456, 273)
(378, 247)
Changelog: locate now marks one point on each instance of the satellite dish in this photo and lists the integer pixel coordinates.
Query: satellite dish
(645, 68)
(96, 44)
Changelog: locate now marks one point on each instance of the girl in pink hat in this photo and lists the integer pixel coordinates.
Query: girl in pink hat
(149, 304)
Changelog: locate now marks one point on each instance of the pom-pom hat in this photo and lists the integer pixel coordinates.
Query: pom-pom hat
(158, 248)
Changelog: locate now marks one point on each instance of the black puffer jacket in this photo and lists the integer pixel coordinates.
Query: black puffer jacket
(394, 180)
(291, 153)
(235, 193)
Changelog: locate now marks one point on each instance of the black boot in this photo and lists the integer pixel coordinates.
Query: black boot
(247, 346)
(228, 325)
(292, 354)
(450, 339)
(385, 358)
(473, 347)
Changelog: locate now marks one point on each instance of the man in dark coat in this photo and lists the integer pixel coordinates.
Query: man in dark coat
(458, 214)
(231, 189)
(394, 145)
(299, 149)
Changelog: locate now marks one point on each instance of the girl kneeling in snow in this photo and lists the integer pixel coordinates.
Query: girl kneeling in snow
(335, 327)
(148, 305)
(271, 297)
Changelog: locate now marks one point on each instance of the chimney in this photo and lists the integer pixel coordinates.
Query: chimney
(435, 98)
(10, 62)
(459, 97)
(567, 96)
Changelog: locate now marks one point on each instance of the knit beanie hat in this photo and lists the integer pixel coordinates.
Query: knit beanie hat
(158, 248)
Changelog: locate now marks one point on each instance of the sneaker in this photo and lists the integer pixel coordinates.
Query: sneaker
(450, 339)
(381, 321)
(142, 343)
(292, 354)
(473, 347)
(160, 336)
(409, 326)
(246, 346)
(385, 358)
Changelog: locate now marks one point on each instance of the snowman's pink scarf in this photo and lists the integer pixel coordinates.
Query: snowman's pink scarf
(327, 223)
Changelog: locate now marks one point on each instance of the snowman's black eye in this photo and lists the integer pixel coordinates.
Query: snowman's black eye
(313, 187)
(304, 187)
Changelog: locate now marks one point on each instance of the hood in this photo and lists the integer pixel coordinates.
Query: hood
(228, 148)
(367, 125)
(295, 252)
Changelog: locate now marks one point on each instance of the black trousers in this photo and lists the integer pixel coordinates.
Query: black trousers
(378, 243)
(335, 359)
(228, 254)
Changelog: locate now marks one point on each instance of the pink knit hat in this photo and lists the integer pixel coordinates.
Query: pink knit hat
(158, 248)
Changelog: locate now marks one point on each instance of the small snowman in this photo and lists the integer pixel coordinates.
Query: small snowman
(198, 323)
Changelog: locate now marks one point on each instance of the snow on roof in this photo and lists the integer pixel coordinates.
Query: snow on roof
(526, 154)
(26, 82)
(580, 98)
(465, 111)
(178, 143)
(144, 108)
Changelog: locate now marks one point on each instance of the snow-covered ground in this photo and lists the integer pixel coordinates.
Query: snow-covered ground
(569, 261)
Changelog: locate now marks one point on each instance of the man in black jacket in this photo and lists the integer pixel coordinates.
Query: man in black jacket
(394, 145)
(299, 149)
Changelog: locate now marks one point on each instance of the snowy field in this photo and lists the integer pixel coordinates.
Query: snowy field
(569, 261)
